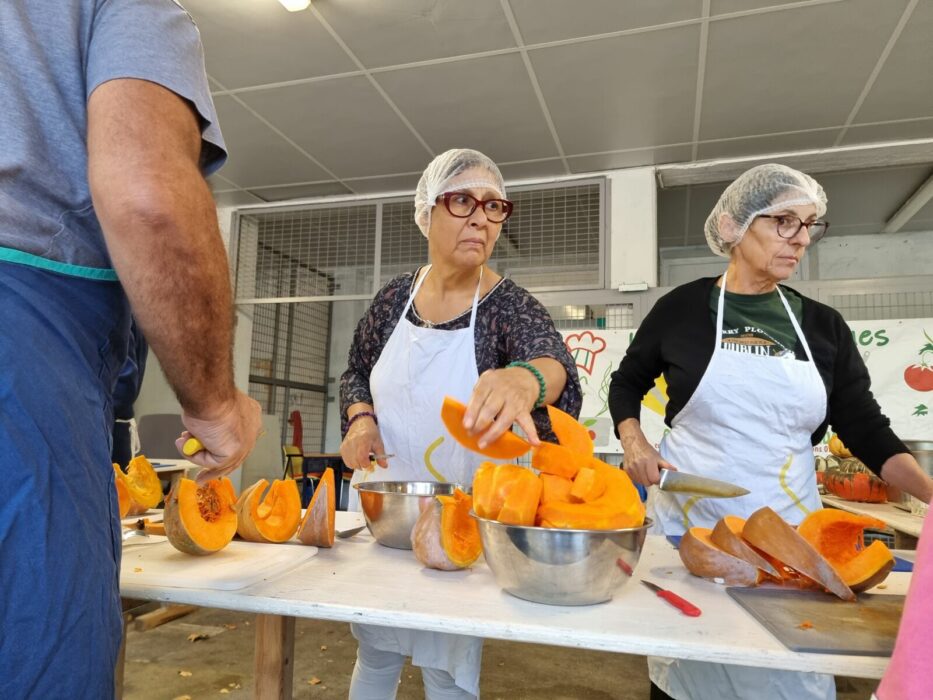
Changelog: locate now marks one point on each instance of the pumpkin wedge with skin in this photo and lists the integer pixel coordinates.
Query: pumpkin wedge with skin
(727, 535)
(143, 484)
(767, 531)
(703, 558)
(124, 500)
(446, 536)
(840, 537)
(200, 520)
(853, 481)
(319, 525)
(570, 432)
(555, 488)
(507, 446)
(273, 517)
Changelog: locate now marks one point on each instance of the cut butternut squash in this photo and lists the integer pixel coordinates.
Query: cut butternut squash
(840, 537)
(619, 506)
(554, 488)
(446, 536)
(493, 483)
(570, 432)
(521, 502)
(508, 446)
(269, 516)
(727, 536)
(124, 500)
(319, 525)
(767, 531)
(703, 558)
(143, 484)
(200, 520)
(588, 485)
(551, 458)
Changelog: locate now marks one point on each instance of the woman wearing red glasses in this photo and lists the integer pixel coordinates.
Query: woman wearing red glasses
(451, 328)
(755, 373)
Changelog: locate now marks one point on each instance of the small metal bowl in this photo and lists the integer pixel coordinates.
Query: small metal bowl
(561, 567)
(391, 508)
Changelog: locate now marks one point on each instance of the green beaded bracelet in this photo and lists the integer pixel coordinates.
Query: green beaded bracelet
(540, 377)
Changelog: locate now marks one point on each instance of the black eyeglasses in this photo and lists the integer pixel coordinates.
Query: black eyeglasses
(462, 205)
(788, 226)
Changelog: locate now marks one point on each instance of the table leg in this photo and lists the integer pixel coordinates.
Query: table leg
(275, 652)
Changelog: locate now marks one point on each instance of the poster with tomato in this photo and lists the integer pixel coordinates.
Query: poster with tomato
(898, 354)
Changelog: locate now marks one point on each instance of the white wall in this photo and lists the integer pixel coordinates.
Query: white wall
(633, 228)
(833, 258)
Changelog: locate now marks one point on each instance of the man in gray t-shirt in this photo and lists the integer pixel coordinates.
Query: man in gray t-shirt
(107, 130)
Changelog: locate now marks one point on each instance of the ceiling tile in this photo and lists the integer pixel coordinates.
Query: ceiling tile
(259, 156)
(320, 189)
(756, 145)
(904, 87)
(404, 31)
(236, 198)
(622, 92)
(390, 183)
(484, 103)
(567, 19)
(629, 159)
(252, 43)
(528, 171)
(897, 131)
(343, 123)
(827, 53)
(721, 7)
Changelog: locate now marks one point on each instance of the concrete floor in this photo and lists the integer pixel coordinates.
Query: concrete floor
(163, 664)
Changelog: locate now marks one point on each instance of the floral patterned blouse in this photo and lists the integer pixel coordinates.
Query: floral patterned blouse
(511, 325)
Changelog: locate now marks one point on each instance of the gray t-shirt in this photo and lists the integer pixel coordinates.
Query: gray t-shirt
(53, 55)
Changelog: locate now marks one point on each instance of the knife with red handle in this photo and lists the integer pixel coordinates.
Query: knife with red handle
(686, 608)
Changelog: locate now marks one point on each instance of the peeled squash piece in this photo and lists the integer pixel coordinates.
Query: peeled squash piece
(446, 536)
(124, 500)
(508, 446)
(521, 503)
(492, 485)
(570, 432)
(551, 458)
(272, 517)
(588, 485)
(319, 525)
(768, 532)
(727, 536)
(554, 488)
(200, 520)
(703, 558)
(143, 484)
(618, 507)
(840, 537)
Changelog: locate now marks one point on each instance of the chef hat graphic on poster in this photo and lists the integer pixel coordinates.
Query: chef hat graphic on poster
(584, 347)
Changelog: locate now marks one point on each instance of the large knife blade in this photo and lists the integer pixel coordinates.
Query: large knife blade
(679, 482)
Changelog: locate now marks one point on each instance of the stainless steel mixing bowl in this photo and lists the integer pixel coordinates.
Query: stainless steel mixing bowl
(391, 508)
(561, 567)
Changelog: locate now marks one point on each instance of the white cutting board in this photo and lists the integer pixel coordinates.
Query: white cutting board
(237, 565)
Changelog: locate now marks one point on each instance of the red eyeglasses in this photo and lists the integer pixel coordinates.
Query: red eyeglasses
(462, 205)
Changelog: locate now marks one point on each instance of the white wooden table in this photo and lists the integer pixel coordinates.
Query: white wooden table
(361, 581)
(900, 521)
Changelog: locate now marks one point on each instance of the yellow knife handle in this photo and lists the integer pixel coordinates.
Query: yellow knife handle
(191, 447)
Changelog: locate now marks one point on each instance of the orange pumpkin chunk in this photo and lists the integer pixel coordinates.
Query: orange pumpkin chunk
(570, 432)
(551, 458)
(272, 517)
(508, 446)
(555, 488)
(201, 519)
(446, 536)
(588, 485)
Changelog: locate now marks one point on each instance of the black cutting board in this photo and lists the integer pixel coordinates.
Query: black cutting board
(866, 627)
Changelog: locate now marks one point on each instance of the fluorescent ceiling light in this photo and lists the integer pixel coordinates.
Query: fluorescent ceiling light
(295, 5)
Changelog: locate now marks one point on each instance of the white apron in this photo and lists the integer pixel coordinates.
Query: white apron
(416, 369)
(749, 422)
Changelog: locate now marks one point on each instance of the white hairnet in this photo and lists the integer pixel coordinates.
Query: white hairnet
(444, 174)
(760, 190)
